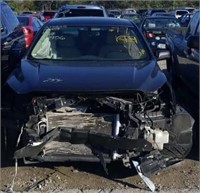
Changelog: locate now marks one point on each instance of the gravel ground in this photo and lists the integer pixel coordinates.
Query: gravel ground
(87, 177)
(90, 177)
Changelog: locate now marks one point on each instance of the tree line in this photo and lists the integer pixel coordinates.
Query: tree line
(32, 5)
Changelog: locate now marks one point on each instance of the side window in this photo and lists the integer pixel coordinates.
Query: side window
(40, 23)
(10, 17)
(36, 24)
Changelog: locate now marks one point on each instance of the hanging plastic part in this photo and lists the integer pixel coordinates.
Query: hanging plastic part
(102, 161)
(146, 180)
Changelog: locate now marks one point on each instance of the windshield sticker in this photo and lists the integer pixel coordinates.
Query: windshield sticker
(126, 39)
(55, 27)
(142, 52)
(52, 37)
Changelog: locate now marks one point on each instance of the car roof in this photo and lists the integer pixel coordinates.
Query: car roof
(81, 6)
(50, 11)
(95, 21)
(130, 14)
(183, 10)
(162, 13)
(160, 17)
(157, 9)
(25, 15)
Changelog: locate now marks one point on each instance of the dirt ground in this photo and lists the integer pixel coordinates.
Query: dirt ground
(54, 177)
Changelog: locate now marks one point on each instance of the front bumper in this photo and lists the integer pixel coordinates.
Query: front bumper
(67, 144)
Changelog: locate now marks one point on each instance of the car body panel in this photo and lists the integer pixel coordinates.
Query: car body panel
(118, 77)
(30, 25)
(186, 58)
(12, 36)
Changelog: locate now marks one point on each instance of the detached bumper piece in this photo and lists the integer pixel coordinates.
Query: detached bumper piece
(60, 145)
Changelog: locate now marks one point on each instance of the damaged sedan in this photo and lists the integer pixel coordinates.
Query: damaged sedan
(91, 90)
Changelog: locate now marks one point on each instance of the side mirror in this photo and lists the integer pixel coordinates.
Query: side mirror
(163, 54)
(193, 42)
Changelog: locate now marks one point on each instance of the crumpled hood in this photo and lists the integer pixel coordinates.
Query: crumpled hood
(84, 76)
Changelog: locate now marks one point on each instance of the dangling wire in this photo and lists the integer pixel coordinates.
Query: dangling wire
(10, 188)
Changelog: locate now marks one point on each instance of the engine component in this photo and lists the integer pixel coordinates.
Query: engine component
(156, 136)
(137, 126)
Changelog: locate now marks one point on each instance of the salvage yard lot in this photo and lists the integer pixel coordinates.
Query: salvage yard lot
(86, 108)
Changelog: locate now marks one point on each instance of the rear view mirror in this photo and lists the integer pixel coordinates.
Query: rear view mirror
(163, 54)
(193, 42)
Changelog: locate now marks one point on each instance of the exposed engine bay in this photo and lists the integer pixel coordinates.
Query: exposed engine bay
(139, 126)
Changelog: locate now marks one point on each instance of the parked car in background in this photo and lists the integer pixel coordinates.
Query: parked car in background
(81, 10)
(150, 12)
(30, 26)
(190, 9)
(178, 13)
(162, 14)
(184, 64)
(184, 47)
(142, 12)
(136, 18)
(12, 40)
(104, 102)
(40, 16)
(185, 19)
(48, 14)
(115, 12)
(26, 13)
(34, 14)
(129, 11)
(154, 29)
